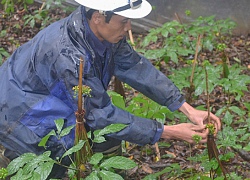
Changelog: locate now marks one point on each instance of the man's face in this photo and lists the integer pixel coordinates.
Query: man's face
(113, 31)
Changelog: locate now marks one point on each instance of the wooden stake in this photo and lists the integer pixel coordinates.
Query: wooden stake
(83, 155)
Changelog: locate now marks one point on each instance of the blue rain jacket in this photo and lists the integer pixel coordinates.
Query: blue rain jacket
(36, 88)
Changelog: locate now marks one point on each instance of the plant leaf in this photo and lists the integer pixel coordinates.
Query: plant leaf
(45, 138)
(118, 162)
(59, 125)
(44, 169)
(19, 162)
(96, 158)
(112, 128)
(107, 175)
(92, 176)
(74, 149)
(66, 130)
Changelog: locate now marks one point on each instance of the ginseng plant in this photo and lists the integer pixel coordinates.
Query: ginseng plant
(211, 146)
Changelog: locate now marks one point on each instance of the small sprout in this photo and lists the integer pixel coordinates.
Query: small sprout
(86, 90)
(188, 12)
(221, 46)
(3, 173)
(211, 128)
(197, 138)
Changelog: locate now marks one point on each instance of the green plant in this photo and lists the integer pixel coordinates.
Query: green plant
(236, 83)
(105, 168)
(197, 138)
(142, 106)
(9, 5)
(30, 165)
(38, 19)
(174, 170)
(3, 54)
(3, 173)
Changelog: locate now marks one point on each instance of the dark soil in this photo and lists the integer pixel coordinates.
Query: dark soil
(177, 152)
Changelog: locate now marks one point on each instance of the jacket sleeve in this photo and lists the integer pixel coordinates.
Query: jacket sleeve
(100, 112)
(139, 73)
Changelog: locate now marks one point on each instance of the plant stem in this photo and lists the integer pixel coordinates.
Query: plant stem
(195, 59)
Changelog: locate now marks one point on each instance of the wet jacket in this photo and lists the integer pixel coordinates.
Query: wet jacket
(36, 88)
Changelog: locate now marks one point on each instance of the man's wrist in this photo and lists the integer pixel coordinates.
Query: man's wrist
(186, 109)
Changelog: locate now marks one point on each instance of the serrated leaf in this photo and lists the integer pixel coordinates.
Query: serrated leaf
(96, 158)
(118, 162)
(74, 149)
(107, 175)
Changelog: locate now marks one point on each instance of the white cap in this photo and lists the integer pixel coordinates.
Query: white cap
(126, 8)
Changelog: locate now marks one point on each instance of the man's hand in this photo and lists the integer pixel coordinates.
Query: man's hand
(185, 131)
(199, 117)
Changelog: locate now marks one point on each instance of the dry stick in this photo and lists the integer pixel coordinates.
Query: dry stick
(178, 18)
(131, 38)
(195, 59)
(42, 6)
(81, 156)
(211, 146)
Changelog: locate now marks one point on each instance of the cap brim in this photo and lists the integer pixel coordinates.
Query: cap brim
(140, 12)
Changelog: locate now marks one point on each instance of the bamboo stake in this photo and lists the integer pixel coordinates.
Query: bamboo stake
(81, 156)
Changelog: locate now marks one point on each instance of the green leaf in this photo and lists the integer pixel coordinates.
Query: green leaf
(112, 128)
(107, 175)
(29, 1)
(118, 162)
(96, 158)
(93, 176)
(59, 125)
(155, 53)
(45, 169)
(74, 149)
(34, 163)
(19, 162)
(45, 138)
(228, 118)
(173, 56)
(66, 130)
(99, 139)
(117, 99)
(237, 110)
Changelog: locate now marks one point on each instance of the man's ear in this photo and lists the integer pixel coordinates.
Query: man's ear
(97, 17)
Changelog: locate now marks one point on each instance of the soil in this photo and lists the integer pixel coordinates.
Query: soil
(177, 152)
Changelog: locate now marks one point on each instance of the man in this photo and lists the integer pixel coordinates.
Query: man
(36, 83)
